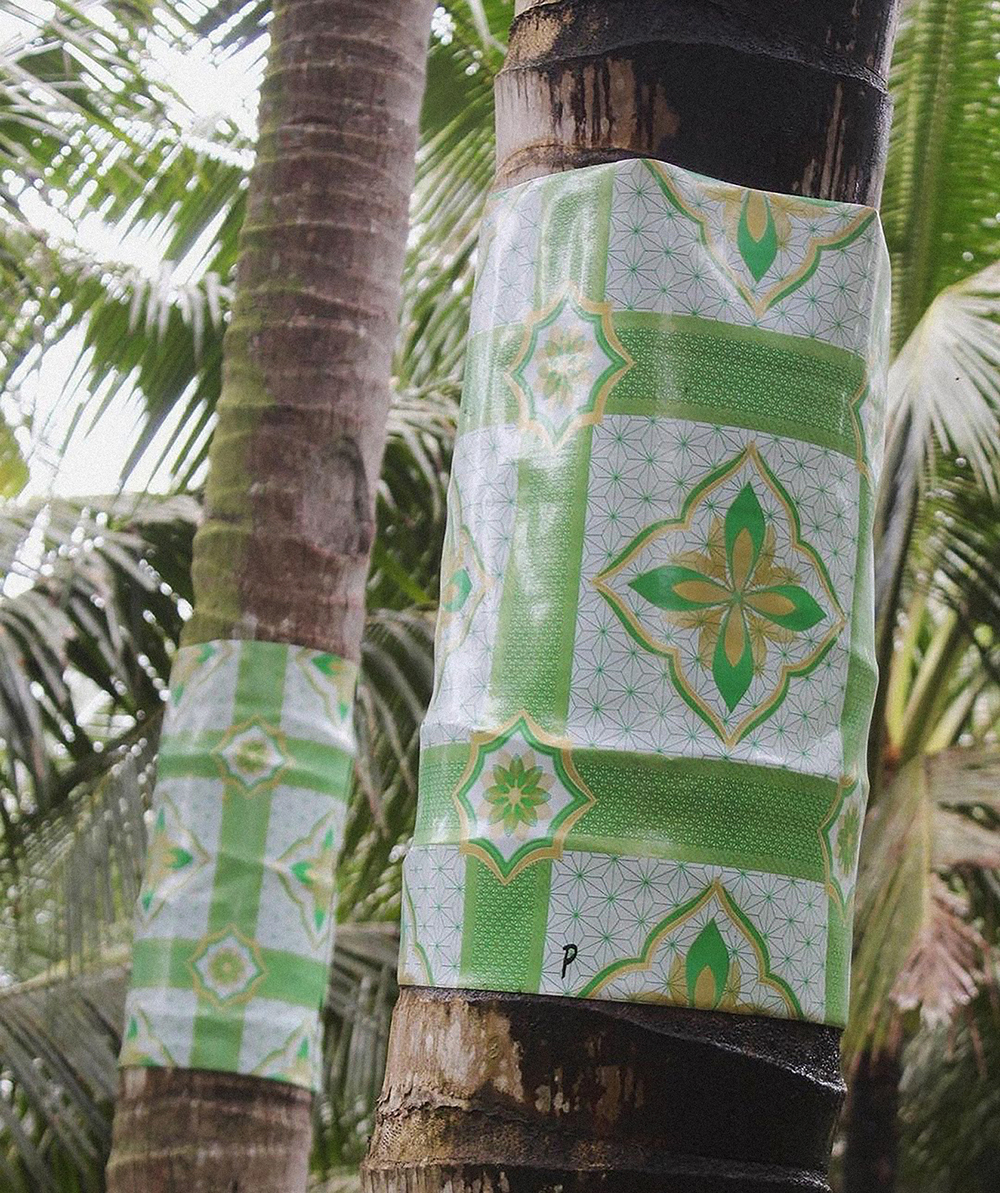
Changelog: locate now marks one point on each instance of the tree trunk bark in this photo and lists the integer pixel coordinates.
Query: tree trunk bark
(487, 1092)
(870, 1161)
(283, 553)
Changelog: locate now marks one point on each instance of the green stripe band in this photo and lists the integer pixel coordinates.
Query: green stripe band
(235, 916)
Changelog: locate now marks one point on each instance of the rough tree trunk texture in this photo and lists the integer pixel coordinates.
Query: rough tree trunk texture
(871, 1159)
(283, 553)
(526, 1094)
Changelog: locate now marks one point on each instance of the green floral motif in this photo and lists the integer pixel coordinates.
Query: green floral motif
(455, 590)
(707, 971)
(519, 787)
(756, 236)
(847, 839)
(564, 364)
(173, 859)
(518, 797)
(723, 965)
(735, 595)
(569, 361)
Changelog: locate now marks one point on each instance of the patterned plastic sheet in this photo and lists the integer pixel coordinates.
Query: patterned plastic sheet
(234, 928)
(643, 770)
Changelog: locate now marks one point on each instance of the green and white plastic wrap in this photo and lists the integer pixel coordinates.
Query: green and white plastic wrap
(643, 769)
(235, 917)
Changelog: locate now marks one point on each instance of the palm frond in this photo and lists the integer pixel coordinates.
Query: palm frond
(919, 949)
(942, 227)
(394, 689)
(59, 1040)
(940, 218)
(160, 337)
(950, 1103)
(92, 606)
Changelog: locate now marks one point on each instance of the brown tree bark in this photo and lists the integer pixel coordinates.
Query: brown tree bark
(872, 1157)
(283, 553)
(487, 1092)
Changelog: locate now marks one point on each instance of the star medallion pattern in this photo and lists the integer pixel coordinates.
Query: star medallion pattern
(519, 797)
(251, 756)
(570, 360)
(227, 967)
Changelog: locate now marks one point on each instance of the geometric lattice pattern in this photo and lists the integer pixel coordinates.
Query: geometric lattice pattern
(642, 772)
(235, 915)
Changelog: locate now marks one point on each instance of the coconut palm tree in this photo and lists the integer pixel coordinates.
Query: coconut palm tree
(922, 942)
(159, 335)
(484, 1088)
(282, 554)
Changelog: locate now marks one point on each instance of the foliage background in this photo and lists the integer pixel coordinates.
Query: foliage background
(120, 202)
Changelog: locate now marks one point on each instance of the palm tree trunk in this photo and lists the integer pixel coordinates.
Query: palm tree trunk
(283, 552)
(871, 1158)
(528, 1093)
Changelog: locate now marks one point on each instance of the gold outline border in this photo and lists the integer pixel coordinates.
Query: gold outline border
(672, 653)
(604, 312)
(551, 744)
(794, 279)
(734, 914)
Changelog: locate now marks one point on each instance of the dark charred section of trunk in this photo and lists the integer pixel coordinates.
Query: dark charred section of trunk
(784, 97)
(504, 1092)
(871, 1158)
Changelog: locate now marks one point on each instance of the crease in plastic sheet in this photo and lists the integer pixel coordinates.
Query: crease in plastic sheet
(643, 770)
(235, 917)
